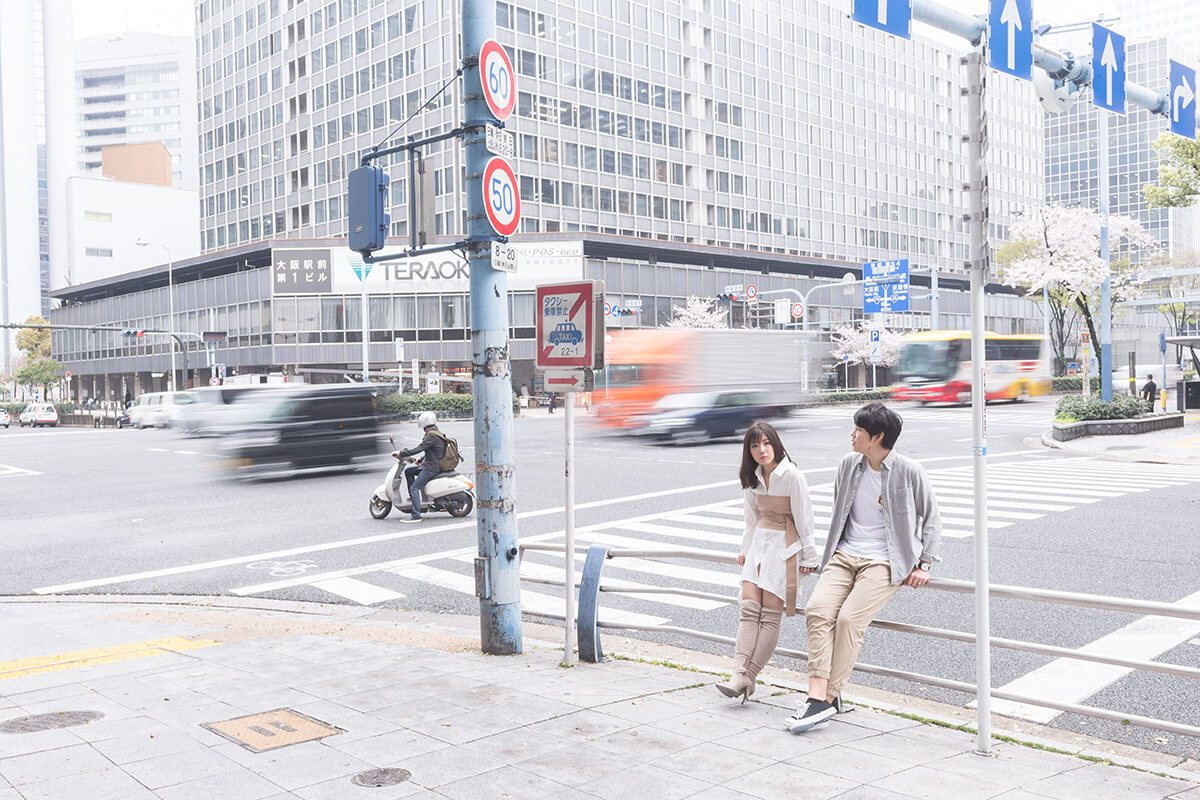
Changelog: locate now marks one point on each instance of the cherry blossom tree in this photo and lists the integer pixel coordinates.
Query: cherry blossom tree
(853, 345)
(698, 312)
(1059, 248)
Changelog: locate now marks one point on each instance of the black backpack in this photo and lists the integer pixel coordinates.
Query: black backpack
(451, 458)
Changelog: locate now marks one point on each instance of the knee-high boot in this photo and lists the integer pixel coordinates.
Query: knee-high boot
(768, 636)
(743, 650)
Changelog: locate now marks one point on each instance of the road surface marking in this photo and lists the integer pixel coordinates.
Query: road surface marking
(157, 450)
(77, 659)
(530, 601)
(716, 523)
(684, 533)
(1066, 680)
(7, 471)
(530, 569)
(361, 592)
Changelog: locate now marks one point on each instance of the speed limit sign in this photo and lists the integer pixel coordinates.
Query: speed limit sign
(501, 198)
(496, 75)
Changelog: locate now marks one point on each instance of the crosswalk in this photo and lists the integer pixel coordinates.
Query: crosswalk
(1024, 413)
(7, 471)
(1019, 491)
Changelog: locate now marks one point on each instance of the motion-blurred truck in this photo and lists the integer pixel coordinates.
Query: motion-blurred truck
(643, 366)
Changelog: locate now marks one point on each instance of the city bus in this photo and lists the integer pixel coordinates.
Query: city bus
(935, 367)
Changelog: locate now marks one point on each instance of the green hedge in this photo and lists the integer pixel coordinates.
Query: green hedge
(410, 403)
(1075, 384)
(1074, 408)
(854, 396)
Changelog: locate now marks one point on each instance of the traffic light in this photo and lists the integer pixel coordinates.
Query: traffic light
(133, 332)
(727, 296)
(369, 219)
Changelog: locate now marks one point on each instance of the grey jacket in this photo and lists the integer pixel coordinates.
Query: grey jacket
(910, 511)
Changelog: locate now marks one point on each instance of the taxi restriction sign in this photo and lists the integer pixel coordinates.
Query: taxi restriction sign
(496, 76)
(501, 197)
(566, 325)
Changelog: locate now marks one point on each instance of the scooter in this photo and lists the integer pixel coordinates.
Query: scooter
(448, 492)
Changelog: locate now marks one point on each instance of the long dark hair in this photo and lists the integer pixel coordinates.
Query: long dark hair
(756, 431)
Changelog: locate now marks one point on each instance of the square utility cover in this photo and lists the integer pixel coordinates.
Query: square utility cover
(271, 730)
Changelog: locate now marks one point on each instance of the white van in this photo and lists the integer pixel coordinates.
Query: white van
(143, 413)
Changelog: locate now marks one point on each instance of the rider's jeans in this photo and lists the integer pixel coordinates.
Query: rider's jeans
(417, 478)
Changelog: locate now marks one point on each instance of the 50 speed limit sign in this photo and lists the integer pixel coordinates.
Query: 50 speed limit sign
(501, 197)
(496, 75)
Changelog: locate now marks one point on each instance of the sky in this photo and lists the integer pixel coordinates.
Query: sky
(174, 17)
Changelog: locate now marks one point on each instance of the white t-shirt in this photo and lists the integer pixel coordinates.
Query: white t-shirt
(865, 535)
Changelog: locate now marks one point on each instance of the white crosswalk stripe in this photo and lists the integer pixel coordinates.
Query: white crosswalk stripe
(1018, 493)
(7, 471)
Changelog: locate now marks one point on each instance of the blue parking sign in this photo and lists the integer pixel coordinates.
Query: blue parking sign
(890, 16)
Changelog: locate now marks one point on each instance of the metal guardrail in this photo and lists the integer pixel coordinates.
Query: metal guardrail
(589, 625)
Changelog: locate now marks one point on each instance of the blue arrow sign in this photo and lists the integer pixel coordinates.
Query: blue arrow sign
(891, 16)
(1183, 100)
(1010, 37)
(885, 286)
(1108, 69)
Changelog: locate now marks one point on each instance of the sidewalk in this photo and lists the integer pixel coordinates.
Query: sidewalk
(1175, 446)
(394, 690)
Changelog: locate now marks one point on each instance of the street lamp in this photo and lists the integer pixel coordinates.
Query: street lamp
(847, 281)
(170, 300)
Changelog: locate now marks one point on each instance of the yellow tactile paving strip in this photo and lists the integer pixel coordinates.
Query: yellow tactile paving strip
(57, 662)
(271, 730)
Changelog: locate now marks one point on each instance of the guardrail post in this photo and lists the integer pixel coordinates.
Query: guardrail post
(589, 604)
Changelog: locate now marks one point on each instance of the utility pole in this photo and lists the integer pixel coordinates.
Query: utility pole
(497, 567)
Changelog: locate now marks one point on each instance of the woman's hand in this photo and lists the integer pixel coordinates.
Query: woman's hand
(807, 570)
(741, 559)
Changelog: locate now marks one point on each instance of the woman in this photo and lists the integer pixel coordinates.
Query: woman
(779, 532)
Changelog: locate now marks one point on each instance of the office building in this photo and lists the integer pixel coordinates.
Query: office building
(134, 88)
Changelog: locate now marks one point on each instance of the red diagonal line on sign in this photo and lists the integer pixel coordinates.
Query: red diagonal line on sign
(578, 304)
(546, 351)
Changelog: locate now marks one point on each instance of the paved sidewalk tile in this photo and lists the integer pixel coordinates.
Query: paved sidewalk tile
(1104, 782)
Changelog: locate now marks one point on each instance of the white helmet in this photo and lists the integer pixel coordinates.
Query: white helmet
(426, 419)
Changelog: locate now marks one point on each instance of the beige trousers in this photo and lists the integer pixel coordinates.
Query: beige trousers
(848, 595)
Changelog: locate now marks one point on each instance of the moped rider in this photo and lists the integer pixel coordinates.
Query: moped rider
(432, 447)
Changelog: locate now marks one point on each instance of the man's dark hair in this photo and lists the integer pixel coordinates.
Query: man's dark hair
(876, 418)
(1149, 377)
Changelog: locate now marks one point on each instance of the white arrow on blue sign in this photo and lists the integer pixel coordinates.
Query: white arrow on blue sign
(1010, 37)
(891, 16)
(1183, 100)
(1108, 69)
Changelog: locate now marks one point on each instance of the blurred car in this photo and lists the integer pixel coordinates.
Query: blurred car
(281, 432)
(699, 416)
(206, 416)
(5, 418)
(142, 413)
(169, 413)
(123, 418)
(37, 415)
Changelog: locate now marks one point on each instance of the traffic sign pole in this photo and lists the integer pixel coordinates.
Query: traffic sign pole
(569, 527)
(1106, 257)
(497, 566)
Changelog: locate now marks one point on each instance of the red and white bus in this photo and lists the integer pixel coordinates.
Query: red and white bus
(935, 367)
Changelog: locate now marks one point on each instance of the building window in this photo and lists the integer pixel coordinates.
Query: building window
(97, 216)
(99, 252)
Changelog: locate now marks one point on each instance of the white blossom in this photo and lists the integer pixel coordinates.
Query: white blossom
(853, 345)
(698, 312)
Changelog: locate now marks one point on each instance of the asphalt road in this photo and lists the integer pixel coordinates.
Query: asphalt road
(149, 512)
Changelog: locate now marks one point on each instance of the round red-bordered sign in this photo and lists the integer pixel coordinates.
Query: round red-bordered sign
(797, 310)
(498, 79)
(501, 197)
(751, 292)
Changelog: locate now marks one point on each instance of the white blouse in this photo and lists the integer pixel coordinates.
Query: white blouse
(786, 481)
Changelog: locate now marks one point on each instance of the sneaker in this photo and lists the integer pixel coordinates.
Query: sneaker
(408, 520)
(813, 715)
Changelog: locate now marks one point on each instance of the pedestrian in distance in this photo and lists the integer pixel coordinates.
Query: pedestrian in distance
(777, 548)
(885, 533)
(1150, 390)
(433, 447)
(553, 400)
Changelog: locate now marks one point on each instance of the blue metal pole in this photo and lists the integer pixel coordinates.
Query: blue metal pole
(497, 567)
(1106, 287)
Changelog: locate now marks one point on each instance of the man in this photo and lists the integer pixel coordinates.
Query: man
(1150, 390)
(433, 445)
(885, 533)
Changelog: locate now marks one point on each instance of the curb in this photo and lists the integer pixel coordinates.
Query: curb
(1048, 440)
(547, 637)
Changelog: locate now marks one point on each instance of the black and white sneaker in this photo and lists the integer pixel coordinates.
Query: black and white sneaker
(812, 715)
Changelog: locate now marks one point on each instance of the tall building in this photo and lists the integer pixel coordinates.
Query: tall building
(134, 88)
(1072, 168)
(1155, 19)
(781, 127)
(35, 157)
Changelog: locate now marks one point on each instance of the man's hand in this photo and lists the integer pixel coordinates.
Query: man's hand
(741, 559)
(807, 570)
(917, 578)
(395, 454)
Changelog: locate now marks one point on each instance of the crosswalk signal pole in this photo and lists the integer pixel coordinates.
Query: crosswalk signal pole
(497, 566)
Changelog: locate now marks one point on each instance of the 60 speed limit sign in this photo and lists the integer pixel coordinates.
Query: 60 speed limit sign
(501, 198)
(496, 75)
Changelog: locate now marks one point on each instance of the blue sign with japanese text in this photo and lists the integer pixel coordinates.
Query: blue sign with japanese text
(885, 286)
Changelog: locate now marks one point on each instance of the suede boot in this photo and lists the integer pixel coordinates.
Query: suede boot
(743, 649)
(768, 636)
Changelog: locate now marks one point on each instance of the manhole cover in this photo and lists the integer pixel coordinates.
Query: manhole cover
(271, 730)
(388, 776)
(48, 722)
